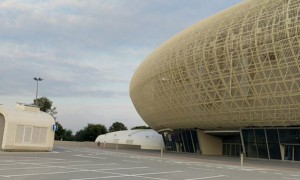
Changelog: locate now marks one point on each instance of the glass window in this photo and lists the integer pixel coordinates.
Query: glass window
(233, 150)
(228, 149)
(186, 141)
(236, 139)
(288, 154)
(272, 135)
(274, 151)
(180, 141)
(289, 136)
(169, 144)
(250, 144)
(296, 153)
(261, 143)
(273, 143)
(251, 150)
(195, 140)
(248, 135)
(238, 149)
(224, 149)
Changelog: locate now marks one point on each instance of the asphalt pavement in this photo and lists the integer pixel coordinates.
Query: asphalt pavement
(77, 163)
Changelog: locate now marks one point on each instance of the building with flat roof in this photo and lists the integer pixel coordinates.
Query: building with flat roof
(25, 128)
(228, 84)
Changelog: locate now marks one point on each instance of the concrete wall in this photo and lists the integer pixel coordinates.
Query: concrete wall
(95, 145)
(210, 145)
(2, 123)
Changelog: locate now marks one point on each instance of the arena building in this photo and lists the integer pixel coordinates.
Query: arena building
(228, 84)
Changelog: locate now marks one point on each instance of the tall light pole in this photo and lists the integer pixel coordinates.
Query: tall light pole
(37, 87)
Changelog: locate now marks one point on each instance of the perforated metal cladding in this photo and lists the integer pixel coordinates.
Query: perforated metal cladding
(238, 68)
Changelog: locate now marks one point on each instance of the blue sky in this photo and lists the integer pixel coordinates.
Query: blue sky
(87, 51)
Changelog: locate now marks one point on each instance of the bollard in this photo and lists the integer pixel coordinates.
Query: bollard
(117, 147)
(161, 152)
(242, 159)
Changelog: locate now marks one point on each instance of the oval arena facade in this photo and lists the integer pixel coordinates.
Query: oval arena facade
(228, 84)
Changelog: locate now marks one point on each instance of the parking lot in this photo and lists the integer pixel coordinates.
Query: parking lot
(75, 163)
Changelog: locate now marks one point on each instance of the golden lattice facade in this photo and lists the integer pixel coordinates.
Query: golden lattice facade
(238, 68)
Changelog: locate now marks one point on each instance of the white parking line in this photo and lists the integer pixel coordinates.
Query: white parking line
(9, 169)
(36, 174)
(113, 169)
(131, 161)
(33, 159)
(45, 166)
(250, 169)
(202, 169)
(208, 177)
(65, 162)
(90, 157)
(105, 164)
(294, 175)
(132, 175)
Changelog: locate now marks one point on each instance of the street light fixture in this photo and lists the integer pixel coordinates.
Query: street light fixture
(37, 87)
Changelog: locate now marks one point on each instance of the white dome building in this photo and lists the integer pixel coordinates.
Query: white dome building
(146, 138)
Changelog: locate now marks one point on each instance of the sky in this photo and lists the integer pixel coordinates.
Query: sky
(87, 51)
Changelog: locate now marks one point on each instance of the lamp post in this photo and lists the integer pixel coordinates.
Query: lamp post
(37, 87)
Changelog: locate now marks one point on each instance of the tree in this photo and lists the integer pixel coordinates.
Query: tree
(117, 126)
(90, 132)
(60, 132)
(63, 134)
(68, 135)
(43, 103)
(141, 127)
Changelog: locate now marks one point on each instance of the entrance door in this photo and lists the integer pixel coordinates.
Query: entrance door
(292, 152)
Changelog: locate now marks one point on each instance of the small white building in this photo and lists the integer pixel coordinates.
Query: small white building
(25, 128)
(147, 138)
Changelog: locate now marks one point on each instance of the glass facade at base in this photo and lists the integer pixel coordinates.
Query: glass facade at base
(272, 143)
(182, 141)
(265, 143)
(231, 145)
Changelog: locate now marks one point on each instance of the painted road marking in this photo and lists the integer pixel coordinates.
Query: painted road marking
(118, 176)
(131, 161)
(90, 157)
(208, 177)
(9, 169)
(294, 175)
(202, 169)
(133, 175)
(36, 174)
(89, 165)
(113, 169)
(7, 164)
(65, 162)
